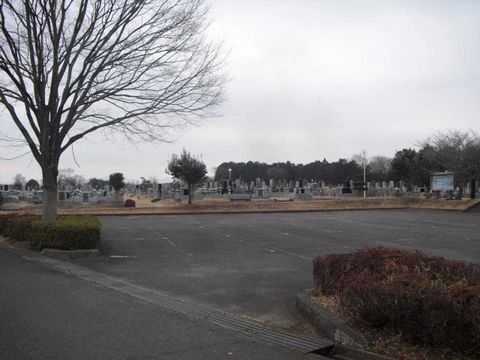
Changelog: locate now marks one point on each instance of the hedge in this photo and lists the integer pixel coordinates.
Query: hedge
(66, 233)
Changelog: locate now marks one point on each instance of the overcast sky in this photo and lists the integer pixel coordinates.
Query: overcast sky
(316, 79)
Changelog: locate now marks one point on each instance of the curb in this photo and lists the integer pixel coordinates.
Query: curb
(349, 342)
(219, 212)
(71, 254)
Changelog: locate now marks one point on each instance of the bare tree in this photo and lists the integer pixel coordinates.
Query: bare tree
(454, 150)
(68, 177)
(19, 182)
(379, 166)
(143, 69)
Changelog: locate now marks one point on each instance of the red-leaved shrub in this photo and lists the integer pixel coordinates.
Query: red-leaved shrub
(429, 300)
(129, 203)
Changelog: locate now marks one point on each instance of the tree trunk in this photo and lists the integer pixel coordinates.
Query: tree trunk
(49, 209)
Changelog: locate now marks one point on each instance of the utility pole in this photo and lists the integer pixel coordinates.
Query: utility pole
(364, 162)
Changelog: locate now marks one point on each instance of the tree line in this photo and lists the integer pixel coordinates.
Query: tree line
(454, 150)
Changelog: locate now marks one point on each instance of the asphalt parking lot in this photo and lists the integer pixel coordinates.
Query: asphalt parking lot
(255, 264)
(250, 265)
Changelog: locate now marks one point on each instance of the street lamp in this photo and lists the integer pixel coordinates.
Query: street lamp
(364, 161)
(364, 178)
(229, 181)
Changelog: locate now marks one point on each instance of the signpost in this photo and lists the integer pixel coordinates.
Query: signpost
(443, 181)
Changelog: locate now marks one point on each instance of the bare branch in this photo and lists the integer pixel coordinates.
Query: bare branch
(68, 68)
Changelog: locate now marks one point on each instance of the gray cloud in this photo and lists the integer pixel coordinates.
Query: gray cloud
(319, 79)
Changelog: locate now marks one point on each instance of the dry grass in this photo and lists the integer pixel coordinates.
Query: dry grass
(144, 205)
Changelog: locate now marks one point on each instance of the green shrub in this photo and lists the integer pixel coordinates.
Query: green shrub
(4, 218)
(429, 300)
(19, 227)
(65, 233)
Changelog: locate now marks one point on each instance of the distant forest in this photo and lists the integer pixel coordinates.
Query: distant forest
(335, 173)
(455, 151)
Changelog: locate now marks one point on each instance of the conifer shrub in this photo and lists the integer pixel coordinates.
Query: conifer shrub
(428, 300)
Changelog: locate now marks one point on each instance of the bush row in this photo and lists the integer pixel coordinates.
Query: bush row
(429, 300)
(4, 218)
(66, 233)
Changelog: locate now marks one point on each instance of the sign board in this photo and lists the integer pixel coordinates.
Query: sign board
(442, 181)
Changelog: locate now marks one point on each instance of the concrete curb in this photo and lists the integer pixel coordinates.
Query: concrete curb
(349, 342)
(329, 323)
(71, 254)
(471, 207)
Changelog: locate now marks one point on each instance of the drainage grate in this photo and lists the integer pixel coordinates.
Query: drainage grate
(247, 326)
